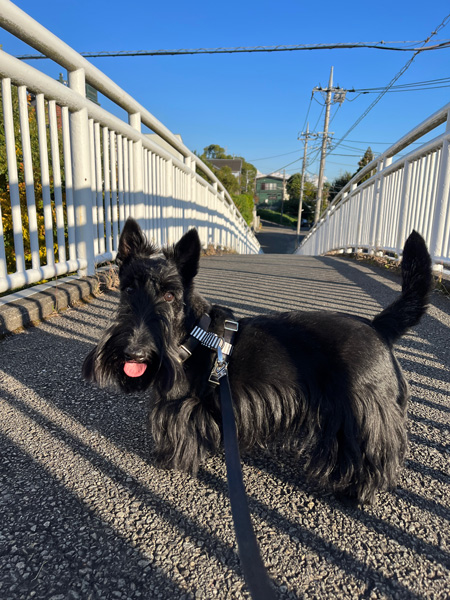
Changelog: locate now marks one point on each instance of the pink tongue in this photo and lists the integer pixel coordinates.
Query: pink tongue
(134, 369)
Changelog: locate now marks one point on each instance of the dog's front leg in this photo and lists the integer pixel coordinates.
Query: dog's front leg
(185, 431)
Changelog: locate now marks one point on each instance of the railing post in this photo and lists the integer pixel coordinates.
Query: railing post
(380, 201)
(348, 225)
(169, 209)
(406, 186)
(359, 220)
(137, 193)
(11, 157)
(189, 212)
(375, 208)
(82, 192)
(442, 202)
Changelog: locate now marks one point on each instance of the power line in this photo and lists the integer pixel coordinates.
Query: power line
(391, 83)
(314, 149)
(241, 49)
(372, 143)
(400, 90)
(307, 112)
(401, 87)
(275, 156)
(428, 82)
(288, 165)
(319, 117)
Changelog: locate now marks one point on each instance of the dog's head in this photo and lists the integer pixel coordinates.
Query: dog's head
(154, 315)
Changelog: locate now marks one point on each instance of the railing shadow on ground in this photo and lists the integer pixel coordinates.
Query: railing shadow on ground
(93, 444)
(90, 446)
(78, 558)
(132, 489)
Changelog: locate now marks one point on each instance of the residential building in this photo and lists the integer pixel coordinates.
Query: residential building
(269, 189)
(235, 165)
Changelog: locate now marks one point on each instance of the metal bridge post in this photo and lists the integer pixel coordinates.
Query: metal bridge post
(442, 200)
(137, 193)
(379, 200)
(169, 220)
(402, 211)
(82, 191)
(13, 176)
(375, 208)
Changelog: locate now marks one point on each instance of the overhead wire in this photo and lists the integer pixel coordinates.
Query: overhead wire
(382, 45)
(275, 156)
(404, 86)
(390, 84)
(307, 112)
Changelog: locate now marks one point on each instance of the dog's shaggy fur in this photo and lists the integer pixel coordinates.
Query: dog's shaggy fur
(324, 385)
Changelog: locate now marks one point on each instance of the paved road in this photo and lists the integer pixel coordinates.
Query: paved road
(277, 239)
(86, 515)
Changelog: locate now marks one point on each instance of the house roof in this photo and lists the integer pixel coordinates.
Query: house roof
(271, 176)
(235, 164)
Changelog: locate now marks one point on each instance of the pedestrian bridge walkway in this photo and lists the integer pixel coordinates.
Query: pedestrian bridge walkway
(85, 513)
(76, 171)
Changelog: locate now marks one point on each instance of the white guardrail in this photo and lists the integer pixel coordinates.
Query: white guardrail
(377, 215)
(73, 172)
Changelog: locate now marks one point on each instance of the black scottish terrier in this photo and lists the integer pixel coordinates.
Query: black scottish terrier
(324, 385)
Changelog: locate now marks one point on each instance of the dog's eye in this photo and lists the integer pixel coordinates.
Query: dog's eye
(169, 297)
(129, 289)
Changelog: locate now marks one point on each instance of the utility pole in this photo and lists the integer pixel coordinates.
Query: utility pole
(284, 194)
(334, 94)
(329, 91)
(306, 136)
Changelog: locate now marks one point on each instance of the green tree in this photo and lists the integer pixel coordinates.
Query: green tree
(365, 160)
(293, 185)
(214, 151)
(248, 177)
(245, 204)
(338, 183)
(228, 180)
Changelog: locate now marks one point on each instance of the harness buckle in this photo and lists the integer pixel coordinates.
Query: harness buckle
(230, 325)
(220, 369)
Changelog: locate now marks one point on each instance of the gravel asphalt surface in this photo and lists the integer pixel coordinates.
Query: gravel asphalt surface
(86, 515)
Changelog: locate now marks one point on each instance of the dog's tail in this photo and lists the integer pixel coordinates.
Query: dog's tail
(417, 282)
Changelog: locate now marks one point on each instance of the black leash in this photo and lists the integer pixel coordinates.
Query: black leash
(255, 573)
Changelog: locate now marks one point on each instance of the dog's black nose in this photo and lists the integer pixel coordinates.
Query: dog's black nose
(136, 355)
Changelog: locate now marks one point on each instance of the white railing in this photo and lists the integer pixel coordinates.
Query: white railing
(72, 172)
(378, 214)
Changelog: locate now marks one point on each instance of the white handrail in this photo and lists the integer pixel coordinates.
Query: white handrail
(20, 24)
(412, 192)
(94, 171)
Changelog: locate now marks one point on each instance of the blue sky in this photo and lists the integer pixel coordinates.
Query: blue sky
(255, 105)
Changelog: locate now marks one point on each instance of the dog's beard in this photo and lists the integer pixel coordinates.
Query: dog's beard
(108, 365)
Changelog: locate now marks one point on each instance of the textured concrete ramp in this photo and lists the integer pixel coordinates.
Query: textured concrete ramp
(85, 514)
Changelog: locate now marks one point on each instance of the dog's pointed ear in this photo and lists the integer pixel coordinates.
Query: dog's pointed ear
(186, 253)
(132, 241)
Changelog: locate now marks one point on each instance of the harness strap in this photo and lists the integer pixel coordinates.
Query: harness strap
(187, 348)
